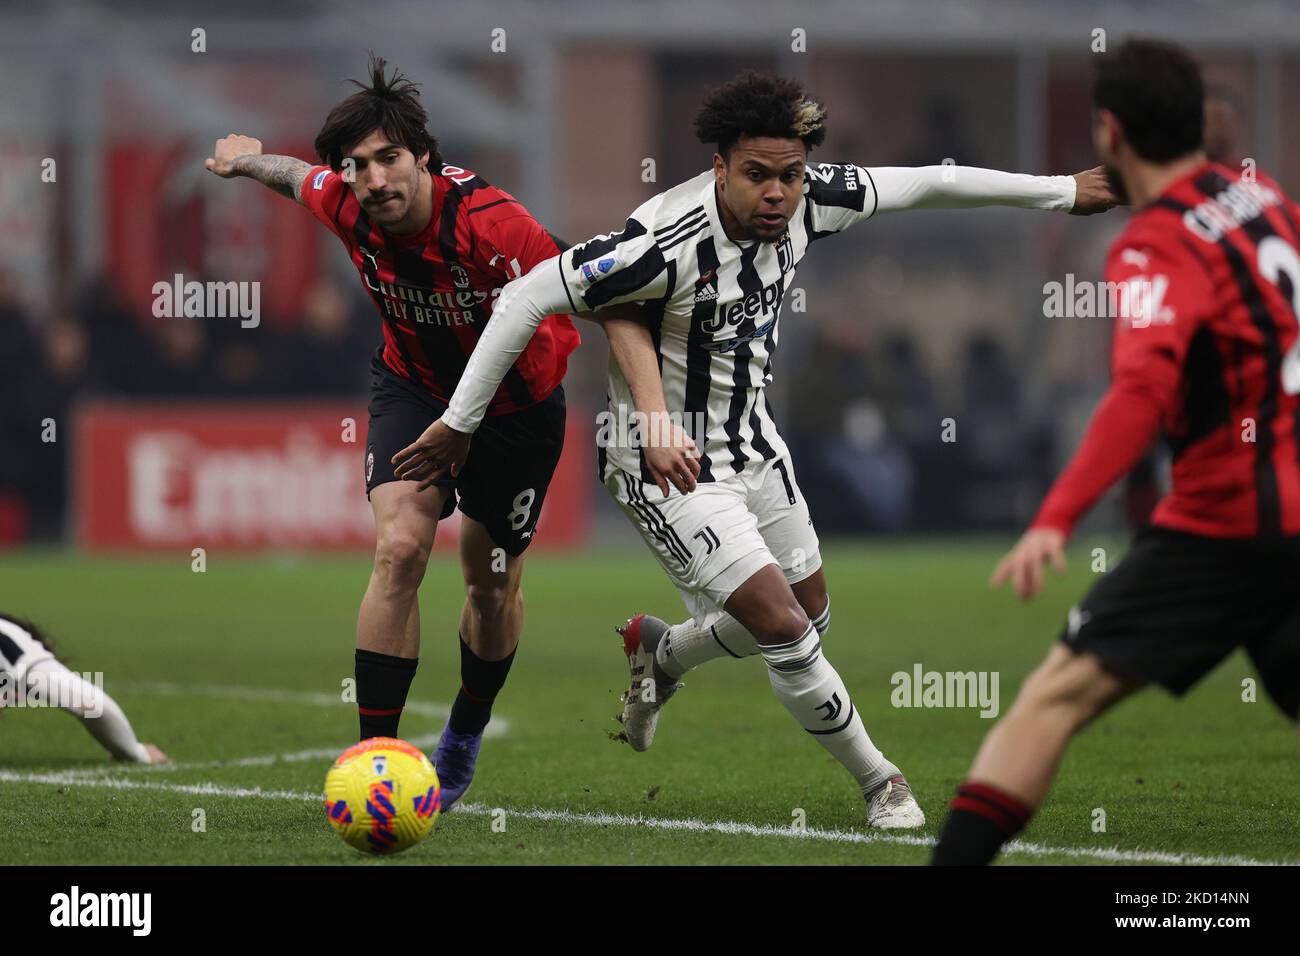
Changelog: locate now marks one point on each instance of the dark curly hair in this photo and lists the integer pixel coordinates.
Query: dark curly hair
(391, 105)
(1156, 92)
(760, 104)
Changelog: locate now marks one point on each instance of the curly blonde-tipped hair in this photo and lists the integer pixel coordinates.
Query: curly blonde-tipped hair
(808, 118)
(760, 104)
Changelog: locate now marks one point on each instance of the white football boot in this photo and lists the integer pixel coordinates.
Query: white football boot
(891, 806)
(643, 700)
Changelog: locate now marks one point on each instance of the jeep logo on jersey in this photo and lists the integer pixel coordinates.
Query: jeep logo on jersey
(765, 300)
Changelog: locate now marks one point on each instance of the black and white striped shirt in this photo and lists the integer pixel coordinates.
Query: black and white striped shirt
(713, 302)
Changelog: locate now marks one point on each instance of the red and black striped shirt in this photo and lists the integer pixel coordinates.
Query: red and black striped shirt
(435, 289)
(1212, 358)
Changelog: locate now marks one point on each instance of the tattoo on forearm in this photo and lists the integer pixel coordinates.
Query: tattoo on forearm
(284, 174)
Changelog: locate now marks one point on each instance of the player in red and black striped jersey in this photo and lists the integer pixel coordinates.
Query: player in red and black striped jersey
(435, 288)
(1207, 348)
(432, 244)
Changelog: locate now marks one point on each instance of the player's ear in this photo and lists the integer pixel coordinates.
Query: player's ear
(422, 161)
(719, 170)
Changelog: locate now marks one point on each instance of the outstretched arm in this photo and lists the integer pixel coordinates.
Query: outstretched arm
(98, 712)
(236, 155)
(1121, 431)
(955, 187)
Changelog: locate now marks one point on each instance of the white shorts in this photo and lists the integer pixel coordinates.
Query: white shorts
(713, 540)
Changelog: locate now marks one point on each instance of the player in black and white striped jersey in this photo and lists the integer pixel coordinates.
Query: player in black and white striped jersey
(30, 671)
(711, 260)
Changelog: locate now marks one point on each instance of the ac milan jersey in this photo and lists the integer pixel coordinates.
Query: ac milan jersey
(435, 290)
(1212, 357)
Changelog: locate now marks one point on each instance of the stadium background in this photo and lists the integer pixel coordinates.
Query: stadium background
(909, 321)
(172, 435)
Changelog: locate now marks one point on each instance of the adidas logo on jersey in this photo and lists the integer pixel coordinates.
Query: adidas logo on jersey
(707, 294)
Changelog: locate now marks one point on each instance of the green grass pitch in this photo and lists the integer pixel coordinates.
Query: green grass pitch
(248, 658)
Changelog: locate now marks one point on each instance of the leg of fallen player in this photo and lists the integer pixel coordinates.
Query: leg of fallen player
(490, 624)
(812, 691)
(1015, 766)
(388, 625)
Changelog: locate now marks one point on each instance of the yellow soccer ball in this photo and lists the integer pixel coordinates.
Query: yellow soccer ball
(382, 795)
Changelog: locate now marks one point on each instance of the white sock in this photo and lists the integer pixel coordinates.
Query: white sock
(687, 645)
(814, 694)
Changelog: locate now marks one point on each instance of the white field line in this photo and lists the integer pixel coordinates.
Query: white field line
(424, 742)
(421, 708)
(728, 828)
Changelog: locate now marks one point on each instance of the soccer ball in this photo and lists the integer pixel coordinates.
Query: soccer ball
(382, 795)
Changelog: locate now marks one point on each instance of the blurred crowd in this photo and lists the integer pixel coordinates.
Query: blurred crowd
(98, 348)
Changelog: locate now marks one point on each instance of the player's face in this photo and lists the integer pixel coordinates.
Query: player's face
(387, 178)
(760, 186)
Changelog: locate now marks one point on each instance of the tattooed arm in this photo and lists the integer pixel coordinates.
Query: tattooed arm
(242, 156)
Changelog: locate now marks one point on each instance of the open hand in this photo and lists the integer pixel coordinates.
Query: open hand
(1023, 565)
(435, 453)
(673, 460)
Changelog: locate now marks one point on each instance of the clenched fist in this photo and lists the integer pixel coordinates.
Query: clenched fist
(227, 150)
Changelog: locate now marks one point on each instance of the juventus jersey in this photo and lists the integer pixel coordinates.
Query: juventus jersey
(713, 306)
(713, 303)
(19, 650)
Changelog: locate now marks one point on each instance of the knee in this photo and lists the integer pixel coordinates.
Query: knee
(1063, 689)
(490, 601)
(778, 622)
(818, 609)
(400, 560)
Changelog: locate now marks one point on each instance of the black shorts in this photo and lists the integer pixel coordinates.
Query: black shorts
(510, 463)
(1178, 604)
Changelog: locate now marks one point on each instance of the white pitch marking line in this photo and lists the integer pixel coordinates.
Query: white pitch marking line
(726, 827)
(424, 742)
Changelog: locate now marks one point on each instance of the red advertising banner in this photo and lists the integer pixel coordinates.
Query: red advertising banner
(264, 475)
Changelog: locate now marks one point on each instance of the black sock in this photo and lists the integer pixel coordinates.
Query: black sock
(480, 682)
(982, 819)
(382, 684)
